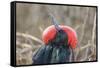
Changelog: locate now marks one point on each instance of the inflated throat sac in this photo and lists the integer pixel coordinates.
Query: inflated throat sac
(55, 52)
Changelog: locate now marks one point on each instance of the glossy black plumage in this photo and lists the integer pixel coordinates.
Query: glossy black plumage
(57, 51)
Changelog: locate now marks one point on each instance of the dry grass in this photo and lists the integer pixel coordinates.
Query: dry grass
(25, 48)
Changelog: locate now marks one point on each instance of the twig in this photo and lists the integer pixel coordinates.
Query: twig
(29, 36)
(85, 46)
(41, 29)
(93, 30)
(83, 27)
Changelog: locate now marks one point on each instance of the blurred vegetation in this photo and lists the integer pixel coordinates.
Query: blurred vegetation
(33, 19)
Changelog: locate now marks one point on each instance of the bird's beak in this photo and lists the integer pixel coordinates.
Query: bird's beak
(55, 22)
